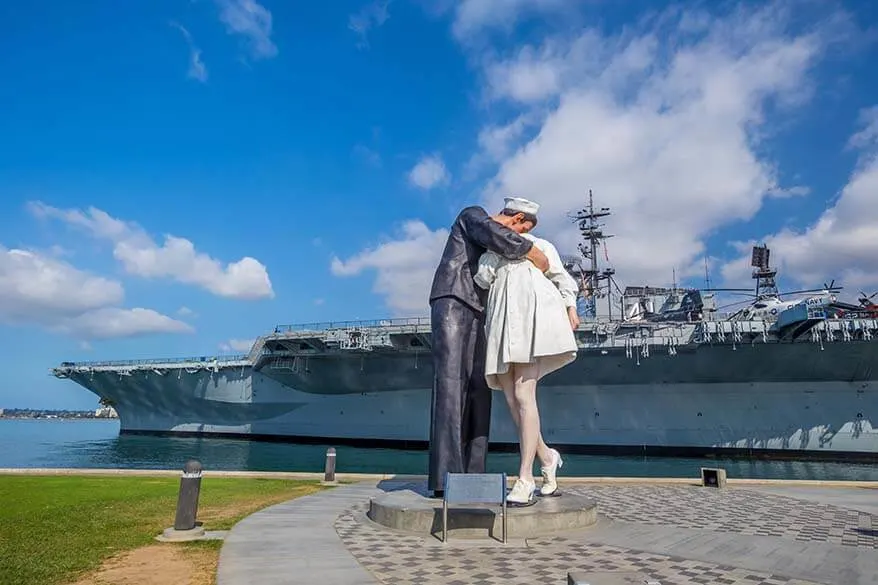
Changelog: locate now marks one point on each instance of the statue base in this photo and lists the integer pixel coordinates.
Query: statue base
(174, 535)
(412, 510)
(197, 532)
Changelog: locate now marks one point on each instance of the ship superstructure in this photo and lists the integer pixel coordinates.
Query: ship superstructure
(663, 372)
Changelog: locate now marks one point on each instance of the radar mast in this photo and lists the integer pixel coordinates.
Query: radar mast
(591, 277)
(763, 273)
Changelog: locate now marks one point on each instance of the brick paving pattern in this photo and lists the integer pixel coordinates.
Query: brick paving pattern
(734, 510)
(403, 559)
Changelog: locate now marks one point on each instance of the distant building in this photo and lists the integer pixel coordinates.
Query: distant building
(1, 413)
(106, 412)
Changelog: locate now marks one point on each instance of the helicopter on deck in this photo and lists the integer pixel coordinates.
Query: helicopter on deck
(866, 308)
(696, 304)
(769, 307)
(867, 305)
(767, 303)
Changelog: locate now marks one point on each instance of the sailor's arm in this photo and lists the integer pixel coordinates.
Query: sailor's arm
(478, 226)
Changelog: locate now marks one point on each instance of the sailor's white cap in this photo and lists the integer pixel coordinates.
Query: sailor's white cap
(522, 205)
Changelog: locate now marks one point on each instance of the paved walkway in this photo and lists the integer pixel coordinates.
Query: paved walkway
(295, 542)
(677, 534)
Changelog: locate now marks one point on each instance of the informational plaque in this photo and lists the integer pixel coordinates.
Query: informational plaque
(475, 488)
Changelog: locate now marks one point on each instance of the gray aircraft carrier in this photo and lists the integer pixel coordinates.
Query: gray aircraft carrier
(666, 372)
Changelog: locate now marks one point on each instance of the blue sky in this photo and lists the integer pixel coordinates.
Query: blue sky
(305, 159)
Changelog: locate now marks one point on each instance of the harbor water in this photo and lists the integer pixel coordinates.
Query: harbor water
(78, 444)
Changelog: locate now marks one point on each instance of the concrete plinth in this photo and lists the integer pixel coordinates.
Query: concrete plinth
(410, 510)
(174, 535)
(197, 533)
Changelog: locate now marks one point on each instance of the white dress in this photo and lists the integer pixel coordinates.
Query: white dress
(526, 314)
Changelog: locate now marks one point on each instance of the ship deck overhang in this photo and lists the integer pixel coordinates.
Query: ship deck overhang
(413, 336)
(159, 366)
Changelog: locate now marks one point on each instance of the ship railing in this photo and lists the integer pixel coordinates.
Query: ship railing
(156, 361)
(724, 316)
(846, 328)
(416, 322)
(419, 322)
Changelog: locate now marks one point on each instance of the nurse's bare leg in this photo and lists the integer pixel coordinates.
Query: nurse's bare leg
(507, 382)
(532, 443)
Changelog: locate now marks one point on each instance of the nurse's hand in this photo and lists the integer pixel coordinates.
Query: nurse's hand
(574, 318)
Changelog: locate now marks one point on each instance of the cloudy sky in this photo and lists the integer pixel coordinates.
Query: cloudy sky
(179, 176)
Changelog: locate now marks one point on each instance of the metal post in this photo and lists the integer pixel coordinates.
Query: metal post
(505, 511)
(444, 520)
(504, 520)
(329, 470)
(187, 501)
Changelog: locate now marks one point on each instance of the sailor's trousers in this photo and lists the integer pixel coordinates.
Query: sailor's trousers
(460, 417)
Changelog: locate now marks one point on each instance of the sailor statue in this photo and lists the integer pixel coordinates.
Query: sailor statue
(461, 406)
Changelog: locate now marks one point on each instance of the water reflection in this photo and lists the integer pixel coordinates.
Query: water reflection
(96, 444)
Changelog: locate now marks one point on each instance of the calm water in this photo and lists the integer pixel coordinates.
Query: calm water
(97, 444)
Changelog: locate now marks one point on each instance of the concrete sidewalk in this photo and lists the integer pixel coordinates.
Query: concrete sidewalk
(295, 542)
(679, 534)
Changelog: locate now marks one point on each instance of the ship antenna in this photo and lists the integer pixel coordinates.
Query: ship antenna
(706, 274)
(593, 236)
(764, 274)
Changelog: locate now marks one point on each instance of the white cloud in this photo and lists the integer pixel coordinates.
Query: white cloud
(867, 138)
(237, 345)
(663, 126)
(176, 258)
(367, 155)
(112, 322)
(472, 16)
(663, 121)
(372, 15)
(843, 243)
(251, 20)
(43, 290)
(404, 267)
(782, 193)
(197, 68)
(33, 286)
(497, 141)
(429, 172)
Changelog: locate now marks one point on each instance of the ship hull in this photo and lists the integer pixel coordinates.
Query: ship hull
(755, 400)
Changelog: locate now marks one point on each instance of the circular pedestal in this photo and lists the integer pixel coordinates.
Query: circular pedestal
(411, 511)
(172, 535)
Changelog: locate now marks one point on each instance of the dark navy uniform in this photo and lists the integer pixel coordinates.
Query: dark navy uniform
(461, 410)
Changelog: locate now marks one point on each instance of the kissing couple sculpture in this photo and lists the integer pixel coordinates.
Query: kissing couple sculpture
(503, 312)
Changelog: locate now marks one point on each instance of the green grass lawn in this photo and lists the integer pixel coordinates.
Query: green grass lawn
(55, 528)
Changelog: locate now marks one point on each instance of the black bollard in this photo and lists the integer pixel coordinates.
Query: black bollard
(329, 473)
(187, 501)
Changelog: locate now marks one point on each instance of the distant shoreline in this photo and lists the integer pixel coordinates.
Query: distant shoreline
(84, 417)
(103, 412)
